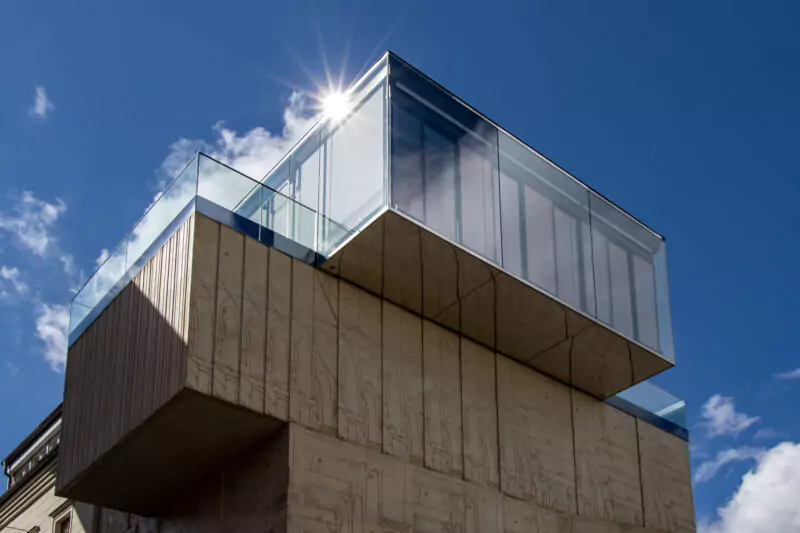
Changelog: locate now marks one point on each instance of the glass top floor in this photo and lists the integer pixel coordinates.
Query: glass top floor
(408, 144)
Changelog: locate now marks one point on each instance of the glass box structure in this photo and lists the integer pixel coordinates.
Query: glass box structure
(410, 147)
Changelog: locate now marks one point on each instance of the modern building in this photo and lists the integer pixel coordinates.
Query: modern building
(413, 323)
(29, 503)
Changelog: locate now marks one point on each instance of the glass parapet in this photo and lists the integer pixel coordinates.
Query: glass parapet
(468, 180)
(339, 169)
(654, 404)
(216, 190)
(408, 144)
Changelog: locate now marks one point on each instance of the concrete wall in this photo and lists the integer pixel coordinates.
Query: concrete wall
(398, 423)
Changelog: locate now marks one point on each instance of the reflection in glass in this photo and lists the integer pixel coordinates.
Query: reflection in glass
(144, 239)
(353, 173)
(545, 225)
(444, 166)
(657, 401)
(625, 274)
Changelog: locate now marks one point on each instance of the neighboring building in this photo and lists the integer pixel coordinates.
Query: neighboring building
(29, 503)
(414, 322)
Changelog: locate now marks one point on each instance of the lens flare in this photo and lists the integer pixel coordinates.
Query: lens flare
(336, 105)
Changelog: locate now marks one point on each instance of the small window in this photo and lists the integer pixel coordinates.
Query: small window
(62, 519)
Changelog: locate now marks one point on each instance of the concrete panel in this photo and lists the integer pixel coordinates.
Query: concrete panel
(440, 300)
(402, 384)
(402, 263)
(313, 370)
(360, 382)
(362, 261)
(607, 462)
(389, 489)
(327, 484)
(254, 325)
(528, 322)
(666, 480)
(601, 362)
(555, 362)
(479, 404)
(279, 318)
(442, 396)
(228, 325)
(525, 517)
(202, 304)
(438, 503)
(477, 295)
(483, 509)
(254, 488)
(646, 364)
(536, 440)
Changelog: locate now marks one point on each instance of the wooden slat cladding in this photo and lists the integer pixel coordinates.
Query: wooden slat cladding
(130, 361)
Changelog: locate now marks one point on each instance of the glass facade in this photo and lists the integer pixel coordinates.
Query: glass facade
(409, 145)
(471, 182)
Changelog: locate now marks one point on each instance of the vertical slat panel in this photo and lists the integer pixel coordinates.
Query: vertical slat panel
(279, 312)
(442, 394)
(402, 384)
(312, 390)
(360, 398)
(479, 403)
(254, 324)
(228, 328)
(202, 304)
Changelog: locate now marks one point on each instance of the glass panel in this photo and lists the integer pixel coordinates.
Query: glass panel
(545, 225)
(354, 169)
(107, 281)
(229, 189)
(148, 235)
(287, 217)
(77, 313)
(444, 164)
(630, 276)
(657, 401)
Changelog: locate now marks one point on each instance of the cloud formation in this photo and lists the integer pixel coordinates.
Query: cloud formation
(793, 374)
(254, 152)
(52, 322)
(720, 417)
(11, 275)
(767, 498)
(32, 221)
(41, 104)
(709, 469)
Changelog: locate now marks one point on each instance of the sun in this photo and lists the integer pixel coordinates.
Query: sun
(336, 105)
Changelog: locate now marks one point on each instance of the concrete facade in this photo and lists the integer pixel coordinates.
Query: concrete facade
(383, 419)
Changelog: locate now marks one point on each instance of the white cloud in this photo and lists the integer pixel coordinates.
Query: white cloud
(52, 322)
(767, 433)
(12, 276)
(102, 257)
(709, 469)
(767, 499)
(793, 374)
(32, 221)
(254, 152)
(720, 417)
(41, 104)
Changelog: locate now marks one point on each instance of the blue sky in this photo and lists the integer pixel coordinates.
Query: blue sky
(685, 113)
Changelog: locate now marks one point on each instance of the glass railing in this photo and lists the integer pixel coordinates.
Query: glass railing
(339, 169)
(217, 190)
(468, 180)
(654, 404)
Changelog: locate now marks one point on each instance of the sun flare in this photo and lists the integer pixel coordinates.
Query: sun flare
(336, 105)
